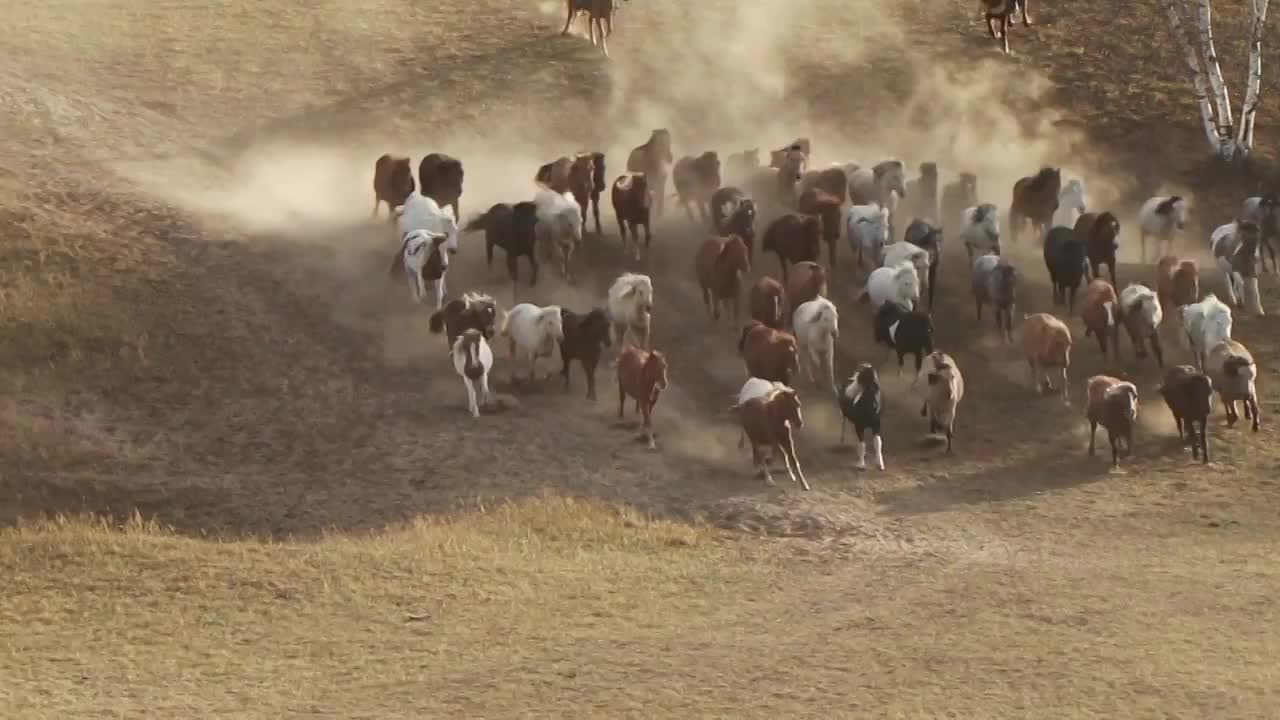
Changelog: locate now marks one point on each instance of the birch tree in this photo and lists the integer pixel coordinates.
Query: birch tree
(1228, 138)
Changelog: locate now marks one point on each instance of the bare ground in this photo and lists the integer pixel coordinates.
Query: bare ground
(196, 329)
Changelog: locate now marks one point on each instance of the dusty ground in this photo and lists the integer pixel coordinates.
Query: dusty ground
(196, 329)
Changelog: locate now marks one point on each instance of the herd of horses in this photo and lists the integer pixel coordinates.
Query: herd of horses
(895, 228)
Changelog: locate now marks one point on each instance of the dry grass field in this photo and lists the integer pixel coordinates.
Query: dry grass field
(237, 475)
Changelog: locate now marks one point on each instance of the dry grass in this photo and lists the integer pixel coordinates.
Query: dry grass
(195, 330)
(553, 607)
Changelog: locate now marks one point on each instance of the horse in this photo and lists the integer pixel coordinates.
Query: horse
(1035, 198)
(654, 159)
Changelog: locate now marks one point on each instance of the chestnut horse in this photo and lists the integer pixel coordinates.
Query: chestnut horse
(1035, 199)
(720, 265)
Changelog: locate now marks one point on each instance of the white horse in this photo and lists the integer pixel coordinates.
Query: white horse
(1071, 204)
(1161, 217)
(533, 332)
(980, 230)
(558, 231)
(899, 284)
(1206, 324)
(903, 251)
(473, 359)
(868, 232)
(631, 307)
(817, 326)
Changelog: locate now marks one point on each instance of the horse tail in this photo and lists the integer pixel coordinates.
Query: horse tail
(479, 222)
(437, 322)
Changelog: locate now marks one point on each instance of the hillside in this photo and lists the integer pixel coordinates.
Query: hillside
(199, 347)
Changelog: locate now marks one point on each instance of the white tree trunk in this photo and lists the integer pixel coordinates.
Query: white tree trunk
(1244, 133)
(1192, 61)
(1204, 25)
(1227, 139)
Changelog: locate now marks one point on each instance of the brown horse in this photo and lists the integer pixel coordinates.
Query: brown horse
(1035, 199)
(654, 159)
(473, 311)
(696, 180)
(1100, 233)
(392, 183)
(441, 178)
(631, 203)
(767, 301)
(768, 422)
(795, 238)
(582, 182)
(790, 172)
(599, 18)
(805, 281)
(720, 264)
(826, 207)
(642, 374)
(1002, 10)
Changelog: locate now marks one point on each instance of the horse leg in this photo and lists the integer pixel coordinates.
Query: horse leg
(568, 17)
(589, 369)
(622, 398)
(1004, 33)
(595, 211)
(991, 28)
(376, 202)
(862, 449)
(604, 44)
(485, 396)
(762, 467)
(793, 465)
(439, 292)
(471, 398)
(514, 358)
(1026, 18)
(564, 371)
(647, 411)
(591, 30)
(420, 287)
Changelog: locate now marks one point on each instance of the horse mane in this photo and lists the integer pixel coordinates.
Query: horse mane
(1041, 178)
(476, 298)
(885, 166)
(1166, 206)
(625, 180)
(1120, 387)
